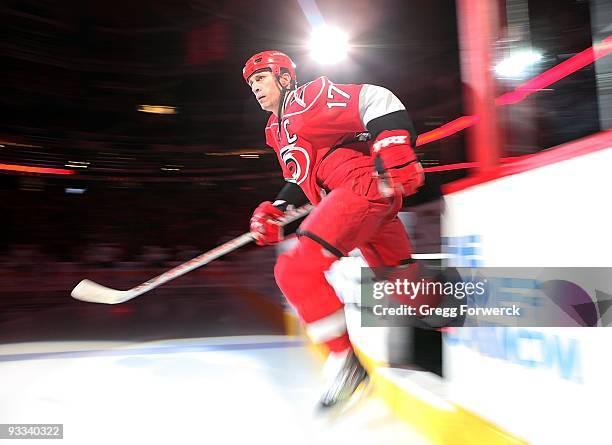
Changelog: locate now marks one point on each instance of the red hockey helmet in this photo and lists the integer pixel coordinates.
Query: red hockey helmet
(273, 60)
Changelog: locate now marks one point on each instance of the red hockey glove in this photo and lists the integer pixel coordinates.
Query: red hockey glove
(264, 225)
(396, 165)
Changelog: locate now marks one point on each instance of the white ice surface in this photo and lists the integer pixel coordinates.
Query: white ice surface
(197, 391)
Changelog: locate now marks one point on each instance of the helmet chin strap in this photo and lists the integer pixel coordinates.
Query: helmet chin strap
(281, 101)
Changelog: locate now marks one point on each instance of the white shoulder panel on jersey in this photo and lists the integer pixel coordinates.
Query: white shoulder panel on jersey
(375, 101)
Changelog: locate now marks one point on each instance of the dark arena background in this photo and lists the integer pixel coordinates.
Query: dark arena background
(130, 144)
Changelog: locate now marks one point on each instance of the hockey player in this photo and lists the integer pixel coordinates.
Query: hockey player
(347, 149)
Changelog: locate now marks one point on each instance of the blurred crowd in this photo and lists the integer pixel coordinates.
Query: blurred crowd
(31, 257)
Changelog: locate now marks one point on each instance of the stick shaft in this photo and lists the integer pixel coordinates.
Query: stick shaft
(192, 264)
(213, 254)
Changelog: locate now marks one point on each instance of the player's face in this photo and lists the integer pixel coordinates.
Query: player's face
(264, 87)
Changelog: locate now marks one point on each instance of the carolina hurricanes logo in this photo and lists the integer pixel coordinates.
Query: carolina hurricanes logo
(297, 161)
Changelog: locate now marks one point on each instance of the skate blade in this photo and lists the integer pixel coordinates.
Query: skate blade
(345, 407)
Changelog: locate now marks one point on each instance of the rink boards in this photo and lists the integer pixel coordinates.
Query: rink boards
(549, 210)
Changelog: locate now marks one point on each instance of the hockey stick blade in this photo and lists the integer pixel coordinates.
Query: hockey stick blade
(92, 292)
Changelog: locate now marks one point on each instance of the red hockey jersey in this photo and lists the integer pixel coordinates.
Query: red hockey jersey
(318, 117)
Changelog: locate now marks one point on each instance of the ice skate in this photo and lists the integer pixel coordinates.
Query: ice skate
(345, 374)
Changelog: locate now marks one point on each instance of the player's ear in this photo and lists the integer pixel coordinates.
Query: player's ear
(285, 80)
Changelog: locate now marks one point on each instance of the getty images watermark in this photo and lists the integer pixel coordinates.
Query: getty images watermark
(428, 292)
(428, 296)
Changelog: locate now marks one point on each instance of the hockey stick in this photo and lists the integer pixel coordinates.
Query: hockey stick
(92, 292)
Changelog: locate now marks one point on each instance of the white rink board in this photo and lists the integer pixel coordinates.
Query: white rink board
(540, 217)
(557, 390)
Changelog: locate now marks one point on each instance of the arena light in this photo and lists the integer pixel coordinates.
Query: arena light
(74, 190)
(517, 63)
(328, 45)
(76, 164)
(157, 109)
